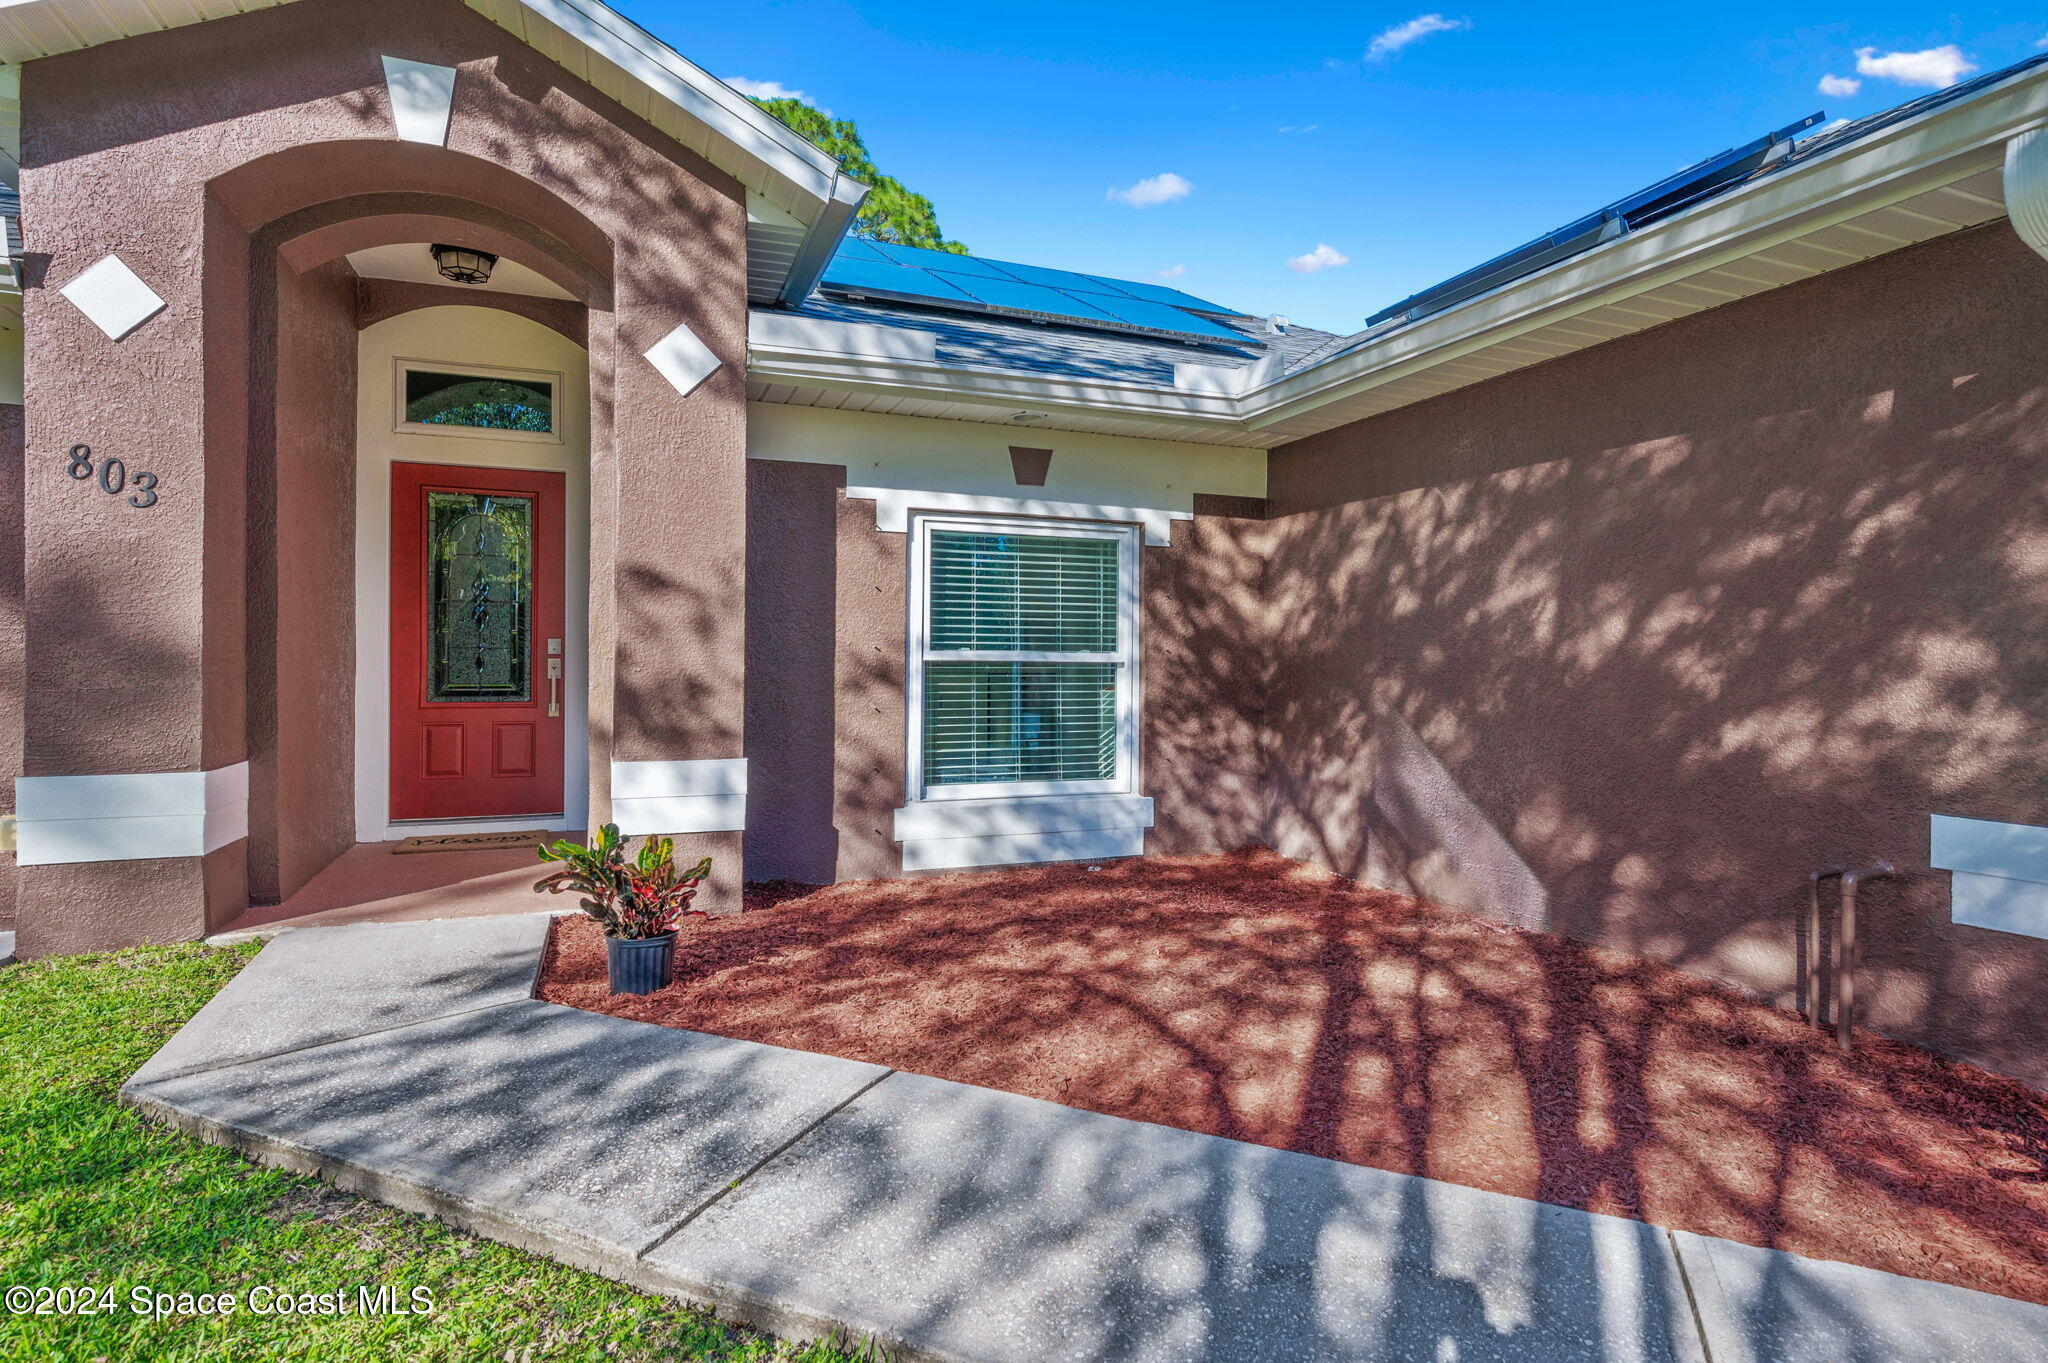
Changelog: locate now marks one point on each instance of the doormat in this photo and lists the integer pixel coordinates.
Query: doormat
(474, 842)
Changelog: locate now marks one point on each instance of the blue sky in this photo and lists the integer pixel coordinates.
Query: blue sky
(1407, 143)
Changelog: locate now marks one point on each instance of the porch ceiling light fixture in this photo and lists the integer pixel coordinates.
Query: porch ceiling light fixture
(463, 265)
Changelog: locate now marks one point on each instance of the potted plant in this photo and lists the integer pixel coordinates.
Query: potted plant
(638, 903)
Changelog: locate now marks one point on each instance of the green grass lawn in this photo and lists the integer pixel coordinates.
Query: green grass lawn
(91, 1196)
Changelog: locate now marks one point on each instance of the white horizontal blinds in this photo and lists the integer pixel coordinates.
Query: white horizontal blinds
(1022, 658)
(1024, 593)
(1000, 722)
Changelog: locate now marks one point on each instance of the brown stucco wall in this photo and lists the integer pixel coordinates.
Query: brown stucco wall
(11, 472)
(1205, 745)
(301, 602)
(792, 626)
(1626, 644)
(825, 667)
(201, 155)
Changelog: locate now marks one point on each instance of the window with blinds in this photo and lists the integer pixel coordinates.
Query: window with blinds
(1024, 659)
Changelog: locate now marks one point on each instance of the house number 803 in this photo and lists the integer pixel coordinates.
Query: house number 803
(112, 475)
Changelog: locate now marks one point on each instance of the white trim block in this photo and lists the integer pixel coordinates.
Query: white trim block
(2000, 872)
(958, 854)
(894, 505)
(2019, 906)
(2016, 851)
(68, 819)
(950, 835)
(683, 360)
(1006, 815)
(421, 97)
(706, 796)
(818, 336)
(113, 297)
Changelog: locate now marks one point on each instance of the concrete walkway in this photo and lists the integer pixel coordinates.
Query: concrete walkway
(805, 1193)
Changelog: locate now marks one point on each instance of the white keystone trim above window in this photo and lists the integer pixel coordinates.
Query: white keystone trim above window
(62, 820)
(704, 796)
(893, 508)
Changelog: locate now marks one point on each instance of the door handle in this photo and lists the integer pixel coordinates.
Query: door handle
(554, 688)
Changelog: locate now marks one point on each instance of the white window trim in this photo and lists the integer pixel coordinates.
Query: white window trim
(402, 365)
(1129, 543)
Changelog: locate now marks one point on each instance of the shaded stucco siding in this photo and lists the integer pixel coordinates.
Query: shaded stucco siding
(1626, 644)
(226, 163)
(13, 468)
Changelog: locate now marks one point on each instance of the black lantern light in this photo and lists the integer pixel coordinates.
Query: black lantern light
(464, 265)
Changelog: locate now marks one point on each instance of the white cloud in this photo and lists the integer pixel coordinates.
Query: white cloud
(1300, 127)
(1839, 87)
(1324, 257)
(1935, 68)
(765, 89)
(1173, 272)
(1415, 30)
(1157, 189)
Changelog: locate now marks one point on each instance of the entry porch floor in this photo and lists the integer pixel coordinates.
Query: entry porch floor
(1249, 997)
(372, 882)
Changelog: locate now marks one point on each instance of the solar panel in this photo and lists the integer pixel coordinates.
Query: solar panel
(1008, 293)
(1662, 199)
(943, 261)
(1172, 298)
(855, 272)
(942, 279)
(1143, 312)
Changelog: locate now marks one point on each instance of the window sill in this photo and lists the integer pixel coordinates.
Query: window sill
(1013, 830)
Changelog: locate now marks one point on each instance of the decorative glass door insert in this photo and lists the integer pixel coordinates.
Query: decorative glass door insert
(480, 629)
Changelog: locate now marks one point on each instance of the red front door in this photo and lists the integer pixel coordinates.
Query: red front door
(476, 642)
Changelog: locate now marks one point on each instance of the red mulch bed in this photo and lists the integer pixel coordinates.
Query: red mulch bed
(1250, 997)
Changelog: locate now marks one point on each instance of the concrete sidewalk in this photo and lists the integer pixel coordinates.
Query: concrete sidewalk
(805, 1193)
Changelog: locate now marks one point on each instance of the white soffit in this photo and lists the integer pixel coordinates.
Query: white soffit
(112, 296)
(422, 95)
(44, 28)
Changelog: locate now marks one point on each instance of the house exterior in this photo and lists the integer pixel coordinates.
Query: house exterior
(1612, 589)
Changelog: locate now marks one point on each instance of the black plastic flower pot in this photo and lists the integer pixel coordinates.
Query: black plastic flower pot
(639, 965)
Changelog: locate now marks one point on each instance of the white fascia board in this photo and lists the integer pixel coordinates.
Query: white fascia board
(672, 77)
(822, 241)
(789, 334)
(1893, 163)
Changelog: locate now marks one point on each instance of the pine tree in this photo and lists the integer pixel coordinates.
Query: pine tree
(891, 213)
